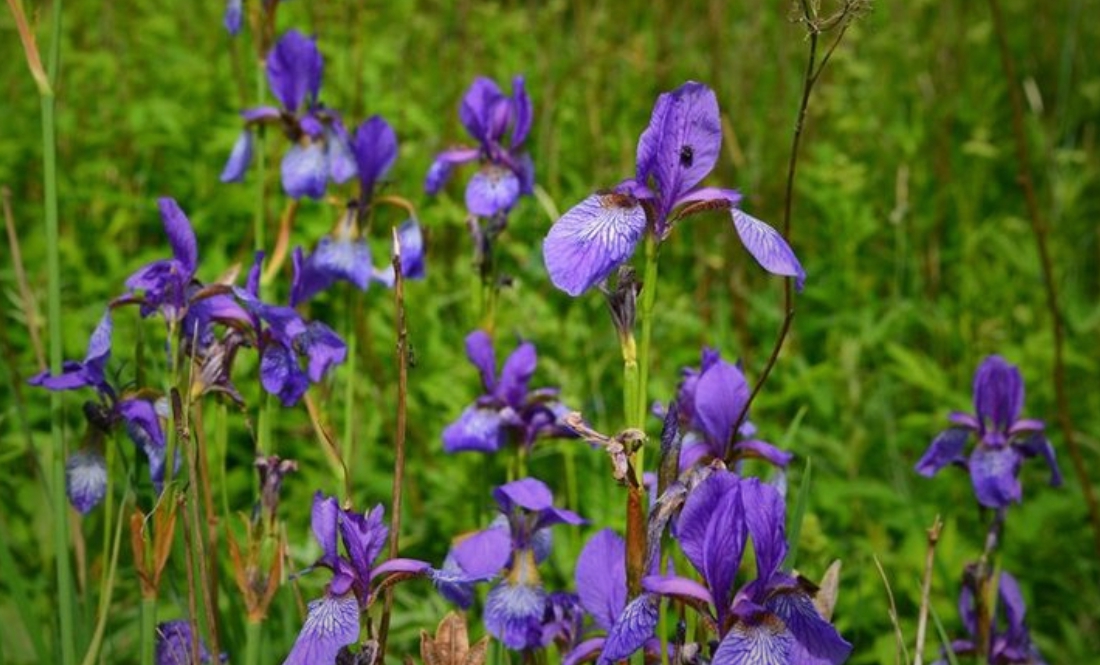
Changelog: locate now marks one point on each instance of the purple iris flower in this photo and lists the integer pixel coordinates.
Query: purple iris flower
(500, 125)
(507, 409)
(174, 644)
(601, 585)
(90, 372)
(333, 620)
(320, 147)
(709, 402)
(1004, 439)
(285, 340)
(166, 285)
(678, 149)
(518, 610)
(234, 16)
(771, 619)
(1009, 642)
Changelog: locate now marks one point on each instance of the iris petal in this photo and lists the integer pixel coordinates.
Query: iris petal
(591, 240)
(995, 471)
(493, 189)
(601, 577)
(768, 247)
(332, 623)
(946, 448)
(476, 429)
(305, 171)
(294, 69)
(85, 480)
(239, 158)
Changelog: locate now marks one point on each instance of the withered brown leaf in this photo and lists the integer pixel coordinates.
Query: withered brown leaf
(451, 644)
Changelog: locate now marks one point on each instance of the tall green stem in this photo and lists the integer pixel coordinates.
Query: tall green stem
(253, 634)
(649, 299)
(148, 629)
(258, 221)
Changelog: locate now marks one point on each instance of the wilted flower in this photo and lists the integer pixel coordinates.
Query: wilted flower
(507, 409)
(1009, 642)
(771, 619)
(320, 148)
(1004, 439)
(500, 125)
(678, 149)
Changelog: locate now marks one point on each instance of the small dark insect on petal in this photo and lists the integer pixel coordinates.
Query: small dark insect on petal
(687, 156)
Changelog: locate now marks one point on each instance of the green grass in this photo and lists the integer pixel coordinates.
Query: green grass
(908, 219)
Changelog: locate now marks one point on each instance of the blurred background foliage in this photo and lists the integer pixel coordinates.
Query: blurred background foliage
(908, 218)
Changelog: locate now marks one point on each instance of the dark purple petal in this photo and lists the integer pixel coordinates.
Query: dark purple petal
(323, 349)
(234, 15)
(723, 546)
(528, 493)
(525, 171)
(364, 536)
(765, 515)
(551, 516)
(305, 171)
(477, 429)
(294, 69)
(411, 240)
(85, 480)
(720, 394)
(476, 109)
(815, 635)
(601, 577)
(730, 196)
(761, 640)
(998, 393)
(180, 235)
(493, 189)
(762, 450)
(72, 376)
(239, 158)
(1037, 444)
(947, 448)
(1012, 603)
(312, 126)
(143, 425)
(444, 163)
(402, 566)
(173, 645)
(453, 583)
(332, 623)
(516, 375)
(584, 651)
(677, 587)
(308, 280)
(88, 373)
(634, 626)
(692, 452)
(343, 258)
(341, 161)
(261, 114)
(521, 105)
(375, 149)
(325, 517)
(513, 614)
(701, 505)
(768, 247)
(995, 473)
(681, 144)
(484, 554)
(591, 240)
(479, 349)
(280, 374)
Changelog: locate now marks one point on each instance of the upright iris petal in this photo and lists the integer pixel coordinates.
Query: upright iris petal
(375, 149)
(294, 69)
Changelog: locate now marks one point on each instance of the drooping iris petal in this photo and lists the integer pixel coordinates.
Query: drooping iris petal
(513, 614)
(516, 375)
(323, 349)
(281, 376)
(239, 158)
(720, 394)
(143, 426)
(440, 170)
(453, 583)
(1037, 444)
(591, 240)
(305, 171)
(375, 149)
(768, 247)
(338, 154)
(484, 554)
(294, 69)
(85, 480)
(601, 577)
(90, 372)
(634, 626)
(998, 394)
(173, 645)
(332, 623)
(411, 239)
(762, 450)
(492, 190)
(946, 448)
(813, 634)
(529, 493)
(1012, 604)
(995, 474)
(477, 429)
(677, 587)
(234, 14)
(761, 640)
(308, 279)
(343, 258)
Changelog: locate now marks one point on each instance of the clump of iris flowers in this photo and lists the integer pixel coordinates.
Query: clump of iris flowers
(1009, 639)
(675, 153)
(508, 410)
(1004, 440)
(319, 148)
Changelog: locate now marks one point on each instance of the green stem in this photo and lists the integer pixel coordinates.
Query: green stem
(91, 656)
(645, 314)
(350, 377)
(258, 221)
(253, 635)
(148, 629)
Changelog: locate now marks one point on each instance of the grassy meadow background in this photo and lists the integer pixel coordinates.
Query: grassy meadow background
(908, 218)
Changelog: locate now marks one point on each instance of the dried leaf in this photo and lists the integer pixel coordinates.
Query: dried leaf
(451, 645)
(825, 600)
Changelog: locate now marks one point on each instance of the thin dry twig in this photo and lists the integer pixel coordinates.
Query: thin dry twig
(926, 588)
(899, 637)
(30, 308)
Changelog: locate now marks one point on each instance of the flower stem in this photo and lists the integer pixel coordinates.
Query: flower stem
(148, 629)
(258, 220)
(253, 635)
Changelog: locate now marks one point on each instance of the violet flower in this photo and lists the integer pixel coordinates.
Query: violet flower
(333, 620)
(508, 409)
(319, 143)
(1009, 641)
(517, 609)
(709, 401)
(285, 341)
(173, 645)
(500, 125)
(771, 619)
(165, 285)
(234, 17)
(88, 373)
(675, 152)
(1004, 439)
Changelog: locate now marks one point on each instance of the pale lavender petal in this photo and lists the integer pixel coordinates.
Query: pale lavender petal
(234, 15)
(946, 448)
(513, 614)
(477, 429)
(768, 247)
(323, 349)
(325, 517)
(375, 149)
(345, 259)
(261, 113)
(529, 493)
(995, 473)
(720, 394)
(305, 171)
(601, 577)
(173, 644)
(484, 554)
(85, 480)
(180, 235)
(294, 69)
(764, 641)
(998, 393)
(1037, 444)
(634, 626)
(479, 349)
(682, 142)
(341, 161)
(492, 190)
(239, 158)
(591, 240)
(516, 375)
(813, 634)
(332, 623)
(677, 587)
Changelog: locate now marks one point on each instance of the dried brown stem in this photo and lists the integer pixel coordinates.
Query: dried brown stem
(1040, 229)
(30, 309)
(926, 589)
